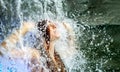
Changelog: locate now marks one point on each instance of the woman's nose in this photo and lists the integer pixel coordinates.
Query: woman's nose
(57, 34)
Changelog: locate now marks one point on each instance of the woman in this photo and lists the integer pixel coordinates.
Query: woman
(50, 36)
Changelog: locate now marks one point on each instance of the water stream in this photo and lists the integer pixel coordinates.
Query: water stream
(92, 43)
(23, 10)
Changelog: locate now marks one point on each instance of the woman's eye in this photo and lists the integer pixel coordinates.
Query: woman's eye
(54, 27)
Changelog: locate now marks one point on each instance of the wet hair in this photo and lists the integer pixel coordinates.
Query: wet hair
(43, 27)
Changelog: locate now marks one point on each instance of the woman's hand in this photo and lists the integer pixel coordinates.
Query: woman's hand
(27, 26)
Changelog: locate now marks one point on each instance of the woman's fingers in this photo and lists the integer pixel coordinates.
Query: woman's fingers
(28, 25)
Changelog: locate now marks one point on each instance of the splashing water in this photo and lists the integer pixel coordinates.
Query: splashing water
(34, 10)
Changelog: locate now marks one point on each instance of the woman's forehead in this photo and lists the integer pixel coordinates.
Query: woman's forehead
(51, 23)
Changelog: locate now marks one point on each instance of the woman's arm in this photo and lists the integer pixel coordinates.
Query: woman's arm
(71, 39)
(15, 36)
(71, 34)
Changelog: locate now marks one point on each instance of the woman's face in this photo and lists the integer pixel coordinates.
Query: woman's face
(54, 34)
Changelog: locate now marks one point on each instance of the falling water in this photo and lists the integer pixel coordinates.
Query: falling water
(36, 10)
(14, 13)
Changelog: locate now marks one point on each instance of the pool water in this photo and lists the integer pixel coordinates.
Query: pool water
(13, 65)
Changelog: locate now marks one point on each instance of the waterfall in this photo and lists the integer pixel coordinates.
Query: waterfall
(35, 10)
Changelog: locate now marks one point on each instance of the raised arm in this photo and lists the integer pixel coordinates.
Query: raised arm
(71, 39)
(71, 34)
(15, 36)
